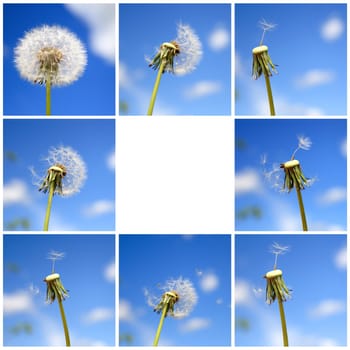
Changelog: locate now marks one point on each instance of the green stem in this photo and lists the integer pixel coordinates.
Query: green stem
(48, 95)
(155, 88)
(269, 93)
(64, 322)
(301, 208)
(49, 205)
(283, 322)
(160, 326)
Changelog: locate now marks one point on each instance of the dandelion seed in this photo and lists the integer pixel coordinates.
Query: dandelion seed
(277, 250)
(265, 26)
(53, 255)
(50, 53)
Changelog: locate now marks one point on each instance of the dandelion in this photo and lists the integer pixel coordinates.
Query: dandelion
(277, 289)
(262, 64)
(295, 178)
(65, 176)
(179, 56)
(56, 291)
(50, 55)
(177, 299)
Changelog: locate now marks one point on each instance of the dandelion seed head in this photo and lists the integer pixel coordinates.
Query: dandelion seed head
(187, 296)
(50, 52)
(74, 173)
(181, 55)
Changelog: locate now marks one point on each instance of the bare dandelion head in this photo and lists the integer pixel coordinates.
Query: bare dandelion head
(50, 53)
(66, 170)
(179, 56)
(178, 295)
(55, 288)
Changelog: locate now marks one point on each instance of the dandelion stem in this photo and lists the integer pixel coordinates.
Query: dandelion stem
(155, 88)
(64, 321)
(161, 321)
(48, 95)
(269, 93)
(301, 208)
(49, 205)
(283, 322)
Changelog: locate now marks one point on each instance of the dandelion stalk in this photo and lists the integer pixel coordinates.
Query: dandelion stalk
(262, 64)
(48, 96)
(179, 56)
(48, 207)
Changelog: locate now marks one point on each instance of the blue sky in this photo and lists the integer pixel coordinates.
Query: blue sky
(261, 146)
(308, 45)
(205, 91)
(94, 92)
(314, 268)
(88, 272)
(148, 260)
(27, 142)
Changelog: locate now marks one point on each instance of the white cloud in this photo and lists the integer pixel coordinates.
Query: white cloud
(219, 39)
(17, 302)
(333, 195)
(243, 293)
(247, 181)
(195, 324)
(209, 281)
(111, 161)
(202, 88)
(100, 19)
(315, 77)
(332, 29)
(16, 192)
(99, 207)
(327, 308)
(343, 148)
(125, 311)
(99, 314)
(340, 258)
(109, 272)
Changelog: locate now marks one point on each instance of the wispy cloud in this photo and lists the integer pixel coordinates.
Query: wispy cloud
(99, 207)
(202, 89)
(340, 258)
(343, 148)
(315, 77)
(100, 19)
(219, 39)
(243, 293)
(195, 324)
(18, 302)
(126, 313)
(99, 314)
(328, 308)
(110, 160)
(16, 192)
(109, 272)
(332, 29)
(209, 281)
(333, 195)
(248, 181)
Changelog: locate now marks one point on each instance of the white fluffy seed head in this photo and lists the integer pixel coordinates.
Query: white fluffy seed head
(50, 52)
(183, 289)
(75, 169)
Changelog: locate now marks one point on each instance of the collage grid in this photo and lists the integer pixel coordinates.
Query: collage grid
(194, 216)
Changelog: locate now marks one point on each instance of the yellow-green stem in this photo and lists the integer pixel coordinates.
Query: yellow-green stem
(48, 95)
(269, 93)
(49, 205)
(301, 208)
(160, 326)
(155, 88)
(64, 322)
(283, 322)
